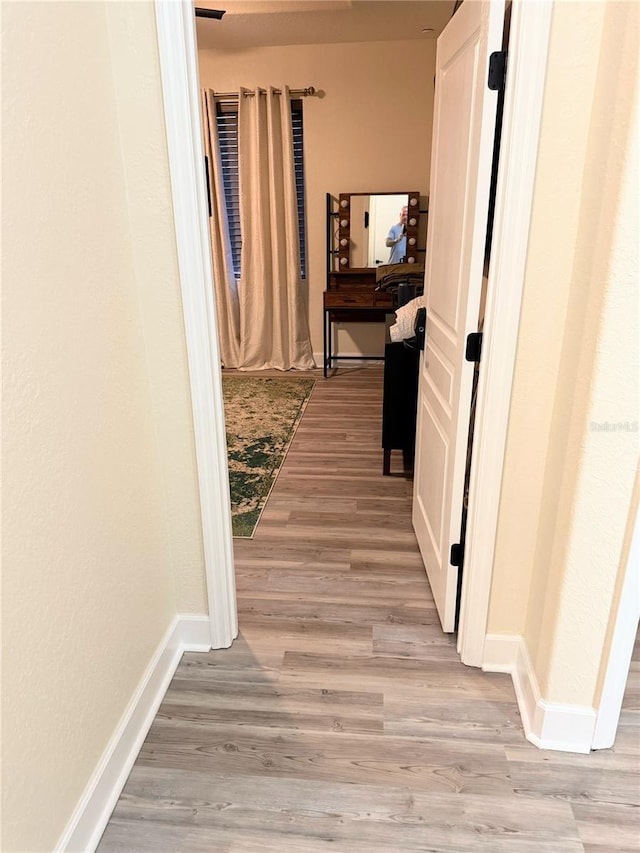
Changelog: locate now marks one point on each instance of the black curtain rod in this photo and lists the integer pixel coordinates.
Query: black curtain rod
(210, 13)
(233, 96)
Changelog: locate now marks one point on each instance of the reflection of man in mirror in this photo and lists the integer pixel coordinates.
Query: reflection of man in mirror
(397, 239)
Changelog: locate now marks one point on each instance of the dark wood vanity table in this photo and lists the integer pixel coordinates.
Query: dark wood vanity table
(351, 295)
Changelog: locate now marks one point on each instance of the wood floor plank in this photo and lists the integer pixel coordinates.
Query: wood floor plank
(429, 765)
(276, 555)
(420, 642)
(486, 720)
(370, 560)
(303, 635)
(342, 719)
(438, 678)
(239, 663)
(608, 826)
(355, 537)
(603, 776)
(272, 707)
(327, 586)
(332, 610)
(358, 519)
(281, 628)
(628, 734)
(346, 506)
(133, 835)
(251, 809)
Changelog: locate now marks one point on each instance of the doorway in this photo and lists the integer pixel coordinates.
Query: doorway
(530, 29)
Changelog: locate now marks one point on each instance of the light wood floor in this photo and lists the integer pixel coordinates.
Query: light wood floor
(341, 719)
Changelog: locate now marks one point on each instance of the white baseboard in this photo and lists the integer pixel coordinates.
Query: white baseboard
(548, 725)
(195, 632)
(501, 652)
(90, 817)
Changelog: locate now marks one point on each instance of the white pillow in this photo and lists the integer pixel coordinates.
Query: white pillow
(405, 319)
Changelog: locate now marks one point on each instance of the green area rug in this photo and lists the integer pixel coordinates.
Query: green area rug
(261, 416)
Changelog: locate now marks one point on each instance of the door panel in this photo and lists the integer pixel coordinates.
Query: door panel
(462, 151)
(431, 500)
(440, 376)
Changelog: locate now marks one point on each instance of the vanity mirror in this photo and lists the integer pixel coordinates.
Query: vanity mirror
(359, 244)
(376, 229)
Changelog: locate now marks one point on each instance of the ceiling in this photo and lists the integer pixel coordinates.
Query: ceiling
(260, 23)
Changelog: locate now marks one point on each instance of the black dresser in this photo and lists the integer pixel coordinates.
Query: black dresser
(400, 400)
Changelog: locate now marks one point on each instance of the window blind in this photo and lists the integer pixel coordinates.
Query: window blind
(227, 122)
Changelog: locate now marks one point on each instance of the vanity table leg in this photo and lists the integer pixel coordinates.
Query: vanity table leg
(324, 341)
(328, 342)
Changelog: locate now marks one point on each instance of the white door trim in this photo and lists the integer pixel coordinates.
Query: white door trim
(180, 87)
(526, 71)
(621, 651)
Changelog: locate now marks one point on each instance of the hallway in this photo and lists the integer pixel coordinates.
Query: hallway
(341, 718)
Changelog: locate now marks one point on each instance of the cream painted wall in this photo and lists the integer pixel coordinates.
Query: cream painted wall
(98, 550)
(134, 56)
(598, 382)
(567, 485)
(370, 132)
(568, 97)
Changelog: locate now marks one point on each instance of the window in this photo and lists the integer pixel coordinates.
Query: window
(227, 121)
(298, 161)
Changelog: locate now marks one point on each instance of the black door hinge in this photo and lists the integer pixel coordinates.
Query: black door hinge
(420, 327)
(497, 70)
(457, 554)
(474, 346)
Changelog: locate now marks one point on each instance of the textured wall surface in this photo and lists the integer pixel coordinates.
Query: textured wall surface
(570, 82)
(134, 56)
(566, 115)
(567, 483)
(371, 132)
(89, 544)
(595, 429)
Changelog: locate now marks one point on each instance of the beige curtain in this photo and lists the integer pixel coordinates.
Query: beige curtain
(225, 286)
(273, 315)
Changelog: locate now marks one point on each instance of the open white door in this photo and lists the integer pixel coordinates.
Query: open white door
(462, 150)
